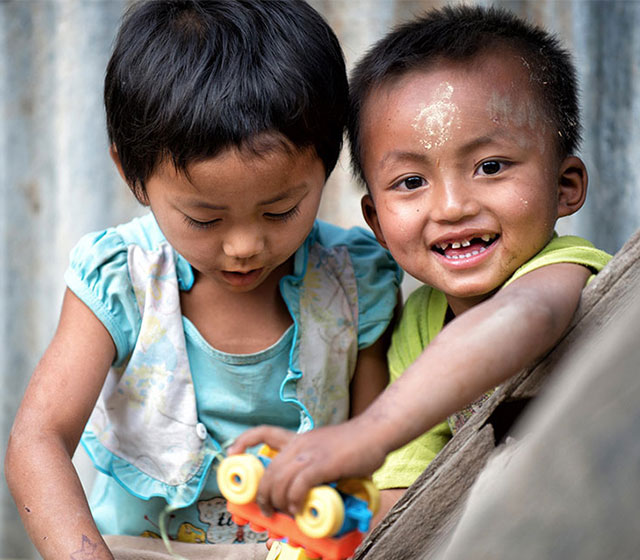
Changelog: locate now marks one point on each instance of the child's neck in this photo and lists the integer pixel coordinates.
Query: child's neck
(238, 322)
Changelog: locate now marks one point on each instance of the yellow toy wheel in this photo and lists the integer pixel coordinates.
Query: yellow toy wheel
(362, 488)
(322, 514)
(238, 478)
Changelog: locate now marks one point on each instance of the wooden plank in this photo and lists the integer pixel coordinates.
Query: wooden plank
(430, 507)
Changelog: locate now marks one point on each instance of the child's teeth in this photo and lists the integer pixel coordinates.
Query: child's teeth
(465, 243)
(467, 255)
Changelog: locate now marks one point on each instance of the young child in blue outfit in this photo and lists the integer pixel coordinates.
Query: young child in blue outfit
(225, 307)
(464, 127)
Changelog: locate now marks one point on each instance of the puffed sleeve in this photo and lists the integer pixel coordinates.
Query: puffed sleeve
(378, 278)
(98, 274)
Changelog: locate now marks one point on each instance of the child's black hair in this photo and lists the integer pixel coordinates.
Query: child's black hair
(190, 78)
(459, 33)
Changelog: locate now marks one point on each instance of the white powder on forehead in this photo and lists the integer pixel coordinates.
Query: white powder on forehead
(434, 122)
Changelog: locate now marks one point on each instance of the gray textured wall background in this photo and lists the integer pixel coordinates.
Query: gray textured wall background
(57, 182)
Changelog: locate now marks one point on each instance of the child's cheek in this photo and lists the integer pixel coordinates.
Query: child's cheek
(531, 219)
(401, 222)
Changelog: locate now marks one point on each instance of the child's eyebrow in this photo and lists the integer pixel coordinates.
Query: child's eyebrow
(496, 137)
(402, 155)
(204, 205)
(284, 195)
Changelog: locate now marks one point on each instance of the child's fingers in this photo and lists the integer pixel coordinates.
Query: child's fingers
(302, 482)
(292, 474)
(273, 436)
(272, 490)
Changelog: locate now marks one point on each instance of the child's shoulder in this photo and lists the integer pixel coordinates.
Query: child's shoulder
(102, 246)
(142, 231)
(348, 269)
(365, 255)
(329, 235)
(565, 249)
(108, 271)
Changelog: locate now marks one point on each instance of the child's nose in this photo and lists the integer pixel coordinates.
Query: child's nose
(452, 201)
(243, 243)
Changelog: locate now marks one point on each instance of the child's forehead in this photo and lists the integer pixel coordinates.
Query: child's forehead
(485, 73)
(266, 154)
(499, 87)
(450, 108)
(259, 148)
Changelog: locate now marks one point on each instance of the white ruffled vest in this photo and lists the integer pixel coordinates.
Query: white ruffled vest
(145, 431)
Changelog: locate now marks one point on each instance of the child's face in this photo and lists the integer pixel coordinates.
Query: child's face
(239, 217)
(464, 178)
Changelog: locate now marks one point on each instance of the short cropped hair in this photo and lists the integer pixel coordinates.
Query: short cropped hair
(458, 34)
(188, 79)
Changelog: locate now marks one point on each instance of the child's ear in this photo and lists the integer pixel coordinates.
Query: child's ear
(140, 194)
(572, 186)
(113, 152)
(371, 217)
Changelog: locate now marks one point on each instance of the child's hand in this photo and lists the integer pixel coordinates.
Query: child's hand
(274, 437)
(305, 460)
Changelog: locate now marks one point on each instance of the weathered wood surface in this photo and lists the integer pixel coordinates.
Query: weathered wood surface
(428, 512)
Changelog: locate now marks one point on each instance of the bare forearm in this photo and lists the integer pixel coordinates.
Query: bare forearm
(51, 501)
(477, 351)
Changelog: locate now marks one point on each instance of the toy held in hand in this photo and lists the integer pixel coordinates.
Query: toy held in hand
(330, 525)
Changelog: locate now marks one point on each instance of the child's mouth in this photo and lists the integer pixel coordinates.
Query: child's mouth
(465, 248)
(241, 278)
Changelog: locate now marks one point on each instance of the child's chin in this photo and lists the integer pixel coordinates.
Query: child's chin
(472, 294)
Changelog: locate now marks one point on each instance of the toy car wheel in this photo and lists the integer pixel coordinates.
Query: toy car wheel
(363, 489)
(238, 478)
(322, 514)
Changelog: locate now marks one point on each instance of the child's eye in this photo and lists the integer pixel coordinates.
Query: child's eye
(412, 183)
(490, 167)
(198, 224)
(283, 216)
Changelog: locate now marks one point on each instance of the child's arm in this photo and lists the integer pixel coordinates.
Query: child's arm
(371, 375)
(474, 353)
(46, 431)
